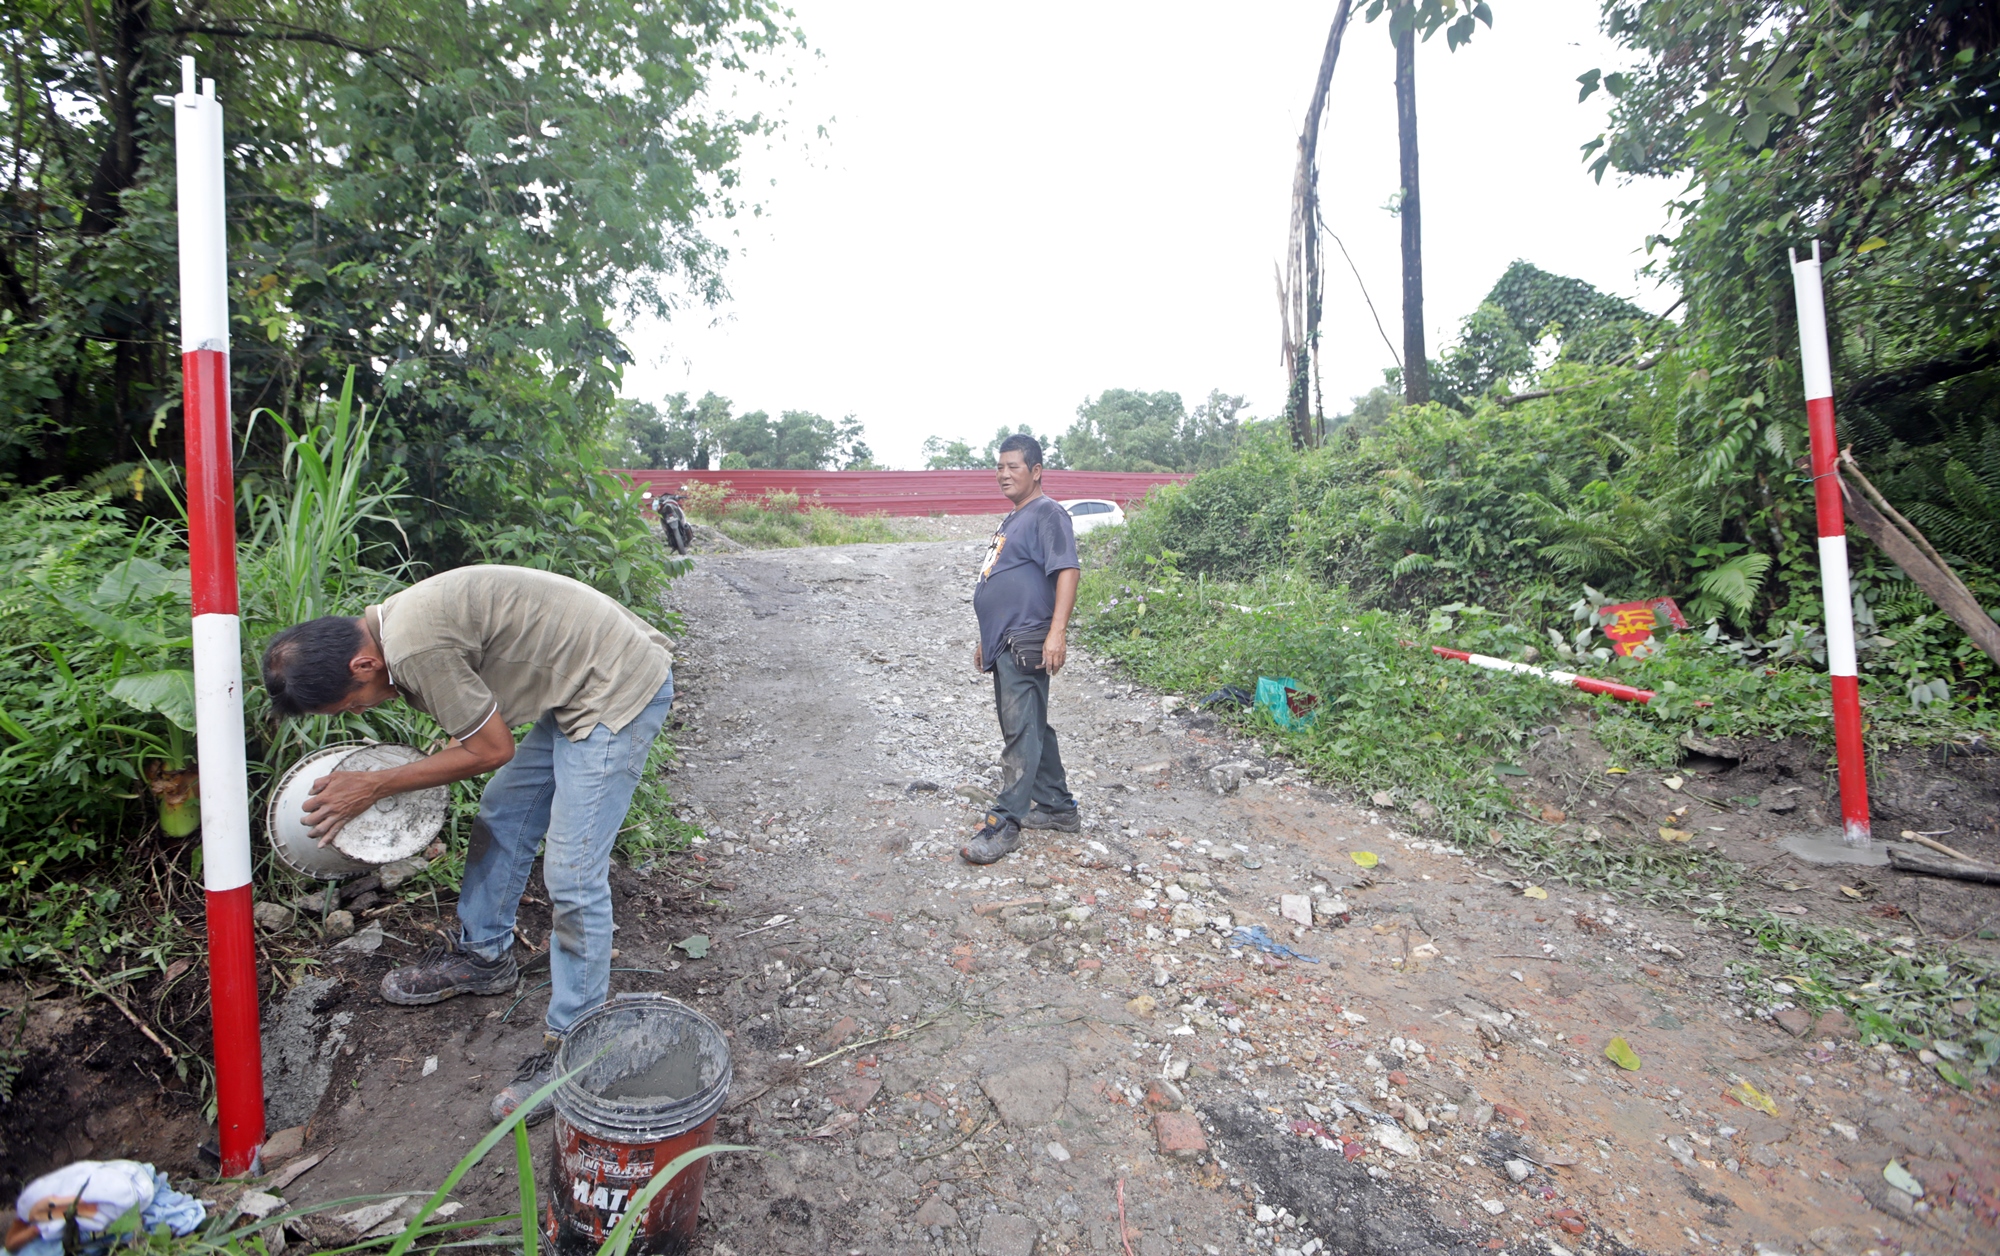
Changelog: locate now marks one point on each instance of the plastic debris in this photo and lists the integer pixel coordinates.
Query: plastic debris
(1902, 1179)
(1751, 1097)
(1257, 936)
(1620, 1052)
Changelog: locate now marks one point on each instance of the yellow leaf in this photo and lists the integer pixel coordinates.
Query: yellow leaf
(1851, 892)
(1871, 244)
(1365, 858)
(1535, 892)
(1674, 835)
(1620, 1052)
(1673, 782)
(1751, 1097)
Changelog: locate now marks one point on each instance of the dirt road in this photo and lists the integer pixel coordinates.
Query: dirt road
(1007, 1060)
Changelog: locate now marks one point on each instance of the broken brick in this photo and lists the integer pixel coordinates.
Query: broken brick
(1179, 1135)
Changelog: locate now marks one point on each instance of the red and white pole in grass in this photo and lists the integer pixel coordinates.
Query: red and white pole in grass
(1589, 684)
(1838, 594)
(218, 648)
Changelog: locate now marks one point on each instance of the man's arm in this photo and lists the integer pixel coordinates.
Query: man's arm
(340, 796)
(1055, 650)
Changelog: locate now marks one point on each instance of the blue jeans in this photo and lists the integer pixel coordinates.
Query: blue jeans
(573, 795)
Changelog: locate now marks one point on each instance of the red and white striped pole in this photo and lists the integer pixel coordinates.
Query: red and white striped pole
(1817, 366)
(218, 651)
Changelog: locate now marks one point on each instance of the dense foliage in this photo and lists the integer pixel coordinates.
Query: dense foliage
(1873, 130)
(456, 200)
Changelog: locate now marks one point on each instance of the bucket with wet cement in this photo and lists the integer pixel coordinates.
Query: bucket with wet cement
(655, 1073)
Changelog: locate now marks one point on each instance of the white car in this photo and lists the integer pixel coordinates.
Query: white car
(1086, 513)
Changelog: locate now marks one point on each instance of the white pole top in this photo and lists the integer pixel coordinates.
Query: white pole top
(1814, 361)
(203, 248)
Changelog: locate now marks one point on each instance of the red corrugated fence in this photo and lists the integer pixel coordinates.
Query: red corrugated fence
(906, 493)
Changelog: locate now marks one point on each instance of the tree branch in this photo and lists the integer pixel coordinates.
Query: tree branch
(1873, 388)
(304, 35)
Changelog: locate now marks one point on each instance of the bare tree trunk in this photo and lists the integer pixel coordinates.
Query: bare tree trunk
(1416, 366)
(1300, 284)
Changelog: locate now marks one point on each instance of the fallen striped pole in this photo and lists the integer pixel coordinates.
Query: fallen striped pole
(1589, 684)
(1816, 365)
(218, 652)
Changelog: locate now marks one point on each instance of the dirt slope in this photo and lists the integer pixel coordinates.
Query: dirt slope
(987, 1060)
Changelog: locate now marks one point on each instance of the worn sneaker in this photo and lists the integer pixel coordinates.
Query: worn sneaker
(444, 971)
(534, 1073)
(1070, 821)
(995, 841)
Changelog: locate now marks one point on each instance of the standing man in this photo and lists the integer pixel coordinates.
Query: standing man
(483, 650)
(1027, 588)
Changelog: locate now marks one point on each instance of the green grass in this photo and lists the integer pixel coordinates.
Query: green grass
(777, 520)
(1395, 716)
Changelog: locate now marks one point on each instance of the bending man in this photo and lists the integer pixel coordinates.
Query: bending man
(483, 650)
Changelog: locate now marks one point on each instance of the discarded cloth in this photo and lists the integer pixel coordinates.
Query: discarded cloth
(1255, 935)
(1229, 696)
(102, 1191)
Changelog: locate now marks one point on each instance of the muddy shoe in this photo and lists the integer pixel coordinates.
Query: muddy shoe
(534, 1073)
(445, 971)
(1070, 821)
(998, 839)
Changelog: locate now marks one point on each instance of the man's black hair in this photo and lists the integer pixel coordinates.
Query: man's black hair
(305, 666)
(1024, 444)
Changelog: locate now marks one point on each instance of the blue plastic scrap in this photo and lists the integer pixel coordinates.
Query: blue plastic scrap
(1255, 935)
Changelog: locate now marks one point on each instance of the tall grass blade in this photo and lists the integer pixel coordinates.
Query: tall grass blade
(524, 1173)
(478, 1153)
(619, 1241)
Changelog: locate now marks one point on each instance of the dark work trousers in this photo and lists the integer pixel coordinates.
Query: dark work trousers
(1031, 767)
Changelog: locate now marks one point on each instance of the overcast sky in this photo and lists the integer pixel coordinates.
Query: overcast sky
(1014, 208)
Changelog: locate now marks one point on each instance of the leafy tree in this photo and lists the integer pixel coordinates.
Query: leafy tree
(458, 200)
(955, 455)
(680, 439)
(1122, 430)
(797, 440)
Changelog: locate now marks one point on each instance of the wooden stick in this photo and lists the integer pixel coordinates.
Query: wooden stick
(118, 1003)
(1938, 582)
(1954, 869)
(1935, 845)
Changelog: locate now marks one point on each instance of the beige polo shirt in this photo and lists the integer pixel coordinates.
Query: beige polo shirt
(525, 643)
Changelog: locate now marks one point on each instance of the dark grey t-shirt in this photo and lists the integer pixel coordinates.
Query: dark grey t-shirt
(1016, 595)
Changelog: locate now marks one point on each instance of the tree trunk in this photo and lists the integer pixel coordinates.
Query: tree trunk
(1300, 284)
(1416, 366)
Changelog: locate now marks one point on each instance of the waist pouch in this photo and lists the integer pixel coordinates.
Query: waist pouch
(1027, 653)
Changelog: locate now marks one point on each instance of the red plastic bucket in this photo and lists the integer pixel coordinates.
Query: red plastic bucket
(655, 1074)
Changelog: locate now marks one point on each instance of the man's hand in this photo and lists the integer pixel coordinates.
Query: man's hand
(339, 797)
(1055, 651)
(978, 657)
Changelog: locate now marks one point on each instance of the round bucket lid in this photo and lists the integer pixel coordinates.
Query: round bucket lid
(395, 828)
